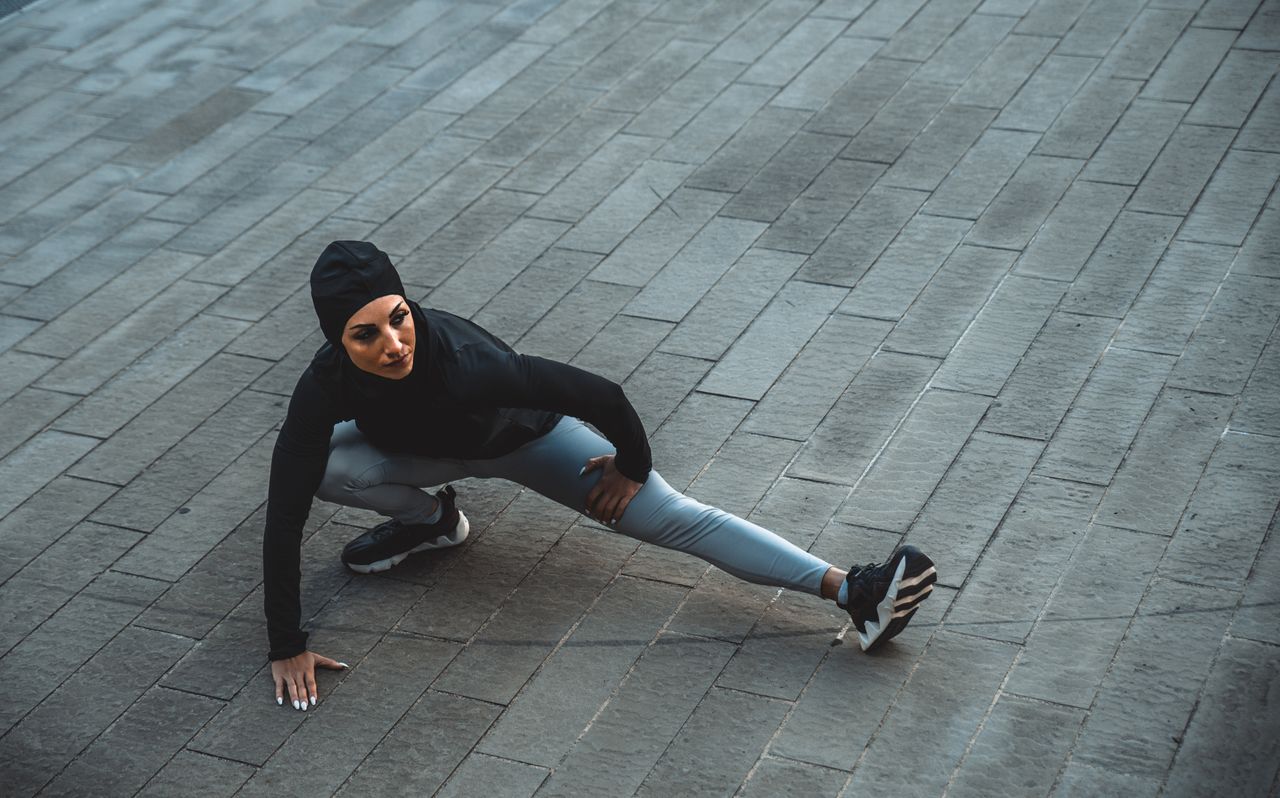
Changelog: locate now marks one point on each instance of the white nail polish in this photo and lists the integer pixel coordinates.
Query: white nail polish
(279, 701)
(313, 701)
(343, 664)
(304, 704)
(296, 705)
(583, 471)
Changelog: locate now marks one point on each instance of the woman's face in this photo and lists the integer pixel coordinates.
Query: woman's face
(379, 337)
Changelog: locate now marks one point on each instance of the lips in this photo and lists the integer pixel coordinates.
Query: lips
(400, 360)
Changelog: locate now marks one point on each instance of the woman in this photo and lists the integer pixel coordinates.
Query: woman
(402, 398)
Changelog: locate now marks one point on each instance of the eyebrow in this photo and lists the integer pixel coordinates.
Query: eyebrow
(393, 312)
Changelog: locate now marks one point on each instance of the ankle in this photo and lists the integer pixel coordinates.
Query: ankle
(832, 582)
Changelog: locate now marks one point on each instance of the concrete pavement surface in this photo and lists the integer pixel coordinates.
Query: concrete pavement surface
(999, 278)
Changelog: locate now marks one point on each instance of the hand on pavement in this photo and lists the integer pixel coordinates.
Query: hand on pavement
(296, 678)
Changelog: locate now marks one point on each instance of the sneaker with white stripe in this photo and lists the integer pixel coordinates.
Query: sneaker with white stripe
(883, 597)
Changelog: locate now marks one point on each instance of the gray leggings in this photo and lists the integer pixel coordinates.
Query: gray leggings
(360, 475)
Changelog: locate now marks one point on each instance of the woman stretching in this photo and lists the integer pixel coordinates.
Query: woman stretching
(403, 398)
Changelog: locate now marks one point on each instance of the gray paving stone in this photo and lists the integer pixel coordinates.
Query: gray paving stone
(862, 236)
(926, 29)
(1226, 210)
(1072, 231)
(1189, 65)
(352, 133)
(1088, 118)
(892, 283)
(497, 264)
(981, 173)
(684, 99)
(1008, 588)
(1113, 276)
(1235, 87)
(1174, 298)
(1042, 387)
(755, 143)
(966, 48)
(784, 176)
(647, 81)
(692, 435)
(1255, 618)
(644, 252)
(661, 383)
(359, 713)
(1257, 410)
(958, 681)
(754, 38)
(674, 291)
(909, 469)
(565, 151)
(525, 299)
(1132, 146)
(1232, 14)
(1257, 133)
(434, 208)
(1105, 416)
(596, 34)
(616, 350)
(1144, 45)
(1241, 314)
(44, 518)
(50, 736)
(37, 147)
(584, 311)
(205, 774)
(1228, 514)
(1021, 747)
(773, 776)
(730, 306)
(822, 78)
(801, 397)
(1097, 30)
(547, 717)
(850, 436)
(360, 87)
(444, 724)
(54, 174)
(784, 648)
(189, 128)
(945, 308)
(595, 178)
(1016, 213)
(1220, 753)
(604, 227)
(377, 159)
(794, 51)
(930, 156)
(37, 462)
(699, 758)
(469, 232)
(996, 80)
(712, 126)
(1073, 643)
(1260, 31)
(1042, 98)
(756, 359)
(898, 122)
(1052, 17)
(490, 775)
(496, 61)
(225, 180)
(854, 103)
(501, 658)
(1165, 462)
(954, 526)
(1159, 671)
(881, 20)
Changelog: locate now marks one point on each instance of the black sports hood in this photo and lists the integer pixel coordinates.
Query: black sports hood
(347, 276)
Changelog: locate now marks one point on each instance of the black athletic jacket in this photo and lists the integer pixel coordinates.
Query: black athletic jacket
(469, 396)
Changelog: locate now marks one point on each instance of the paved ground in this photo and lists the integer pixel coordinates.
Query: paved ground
(1000, 278)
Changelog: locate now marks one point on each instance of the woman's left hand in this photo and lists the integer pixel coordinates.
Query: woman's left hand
(608, 500)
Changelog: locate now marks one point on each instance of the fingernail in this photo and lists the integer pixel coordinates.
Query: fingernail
(343, 664)
(296, 705)
(304, 704)
(582, 471)
(614, 521)
(279, 701)
(313, 701)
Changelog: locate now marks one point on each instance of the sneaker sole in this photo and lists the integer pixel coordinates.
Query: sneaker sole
(460, 533)
(912, 583)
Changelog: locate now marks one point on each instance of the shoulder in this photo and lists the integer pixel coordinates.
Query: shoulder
(455, 333)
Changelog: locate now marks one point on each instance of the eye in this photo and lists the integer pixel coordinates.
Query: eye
(398, 319)
(363, 335)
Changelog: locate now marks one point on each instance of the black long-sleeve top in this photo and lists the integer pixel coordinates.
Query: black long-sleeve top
(469, 396)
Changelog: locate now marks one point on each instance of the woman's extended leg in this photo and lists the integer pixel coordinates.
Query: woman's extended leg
(660, 514)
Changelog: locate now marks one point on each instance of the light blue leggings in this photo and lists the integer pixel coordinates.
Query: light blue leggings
(360, 475)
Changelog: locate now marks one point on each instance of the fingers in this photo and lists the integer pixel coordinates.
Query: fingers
(593, 464)
(331, 664)
(294, 693)
(311, 686)
(279, 689)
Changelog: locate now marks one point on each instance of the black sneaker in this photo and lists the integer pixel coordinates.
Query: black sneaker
(882, 598)
(391, 541)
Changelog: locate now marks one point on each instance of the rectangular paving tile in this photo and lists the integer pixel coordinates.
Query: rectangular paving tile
(1258, 131)
(1088, 118)
(1229, 746)
(666, 115)
(906, 473)
(1016, 213)
(785, 647)
(657, 239)
(1226, 210)
(898, 122)
(790, 54)
(626, 207)
(929, 158)
(1120, 265)
(1178, 175)
(859, 239)
(543, 722)
(784, 176)
(1260, 254)
(981, 173)
(926, 30)
(1189, 65)
(1255, 618)
(713, 125)
(480, 774)
(1232, 14)
(864, 417)
(905, 268)
(827, 73)
(495, 265)
(1226, 343)
(943, 311)
(1073, 643)
(827, 200)
(1099, 28)
(1008, 588)
(1234, 88)
(434, 208)
(1072, 230)
(1022, 746)
(1105, 416)
(966, 48)
(854, 103)
(1257, 410)
(1040, 100)
(1228, 514)
(40, 460)
(754, 143)
(1133, 144)
(1150, 489)
(1174, 298)
(819, 373)
(997, 79)
(207, 775)
(929, 694)
(1153, 683)
(1144, 45)
(676, 289)
(755, 360)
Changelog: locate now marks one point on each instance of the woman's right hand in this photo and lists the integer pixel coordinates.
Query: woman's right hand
(296, 677)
